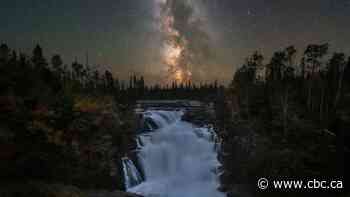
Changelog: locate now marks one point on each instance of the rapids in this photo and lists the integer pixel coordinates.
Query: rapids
(177, 159)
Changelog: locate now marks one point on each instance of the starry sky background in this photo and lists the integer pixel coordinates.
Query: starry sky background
(122, 35)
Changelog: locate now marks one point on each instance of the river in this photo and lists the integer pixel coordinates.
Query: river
(177, 159)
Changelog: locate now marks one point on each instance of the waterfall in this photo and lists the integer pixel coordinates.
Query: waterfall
(177, 159)
(161, 118)
(132, 176)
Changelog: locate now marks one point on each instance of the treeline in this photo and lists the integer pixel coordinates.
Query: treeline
(22, 74)
(60, 124)
(287, 117)
(70, 124)
(35, 76)
(317, 86)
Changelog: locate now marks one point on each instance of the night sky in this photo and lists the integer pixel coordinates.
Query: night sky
(124, 35)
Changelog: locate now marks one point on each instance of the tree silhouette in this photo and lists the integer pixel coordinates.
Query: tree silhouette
(4, 53)
(57, 63)
(313, 58)
(336, 71)
(38, 59)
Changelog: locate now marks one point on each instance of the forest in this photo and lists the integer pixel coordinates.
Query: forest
(69, 124)
(288, 117)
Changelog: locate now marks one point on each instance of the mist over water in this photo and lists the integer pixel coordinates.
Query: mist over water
(177, 159)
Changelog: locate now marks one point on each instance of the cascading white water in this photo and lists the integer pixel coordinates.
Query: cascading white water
(178, 159)
(132, 176)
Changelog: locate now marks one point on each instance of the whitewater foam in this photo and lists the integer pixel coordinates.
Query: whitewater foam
(178, 159)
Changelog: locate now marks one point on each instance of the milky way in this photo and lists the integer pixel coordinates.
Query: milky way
(185, 42)
(208, 39)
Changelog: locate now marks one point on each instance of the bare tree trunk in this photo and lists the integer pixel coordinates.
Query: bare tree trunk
(322, 103)
(247, 102)
(339, 88)
(309, 96)
(284, 102)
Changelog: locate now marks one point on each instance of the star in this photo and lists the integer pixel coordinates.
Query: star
(249, 13)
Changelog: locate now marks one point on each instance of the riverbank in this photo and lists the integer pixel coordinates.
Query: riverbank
(72, 147)
(254, 148)
(62, 126)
